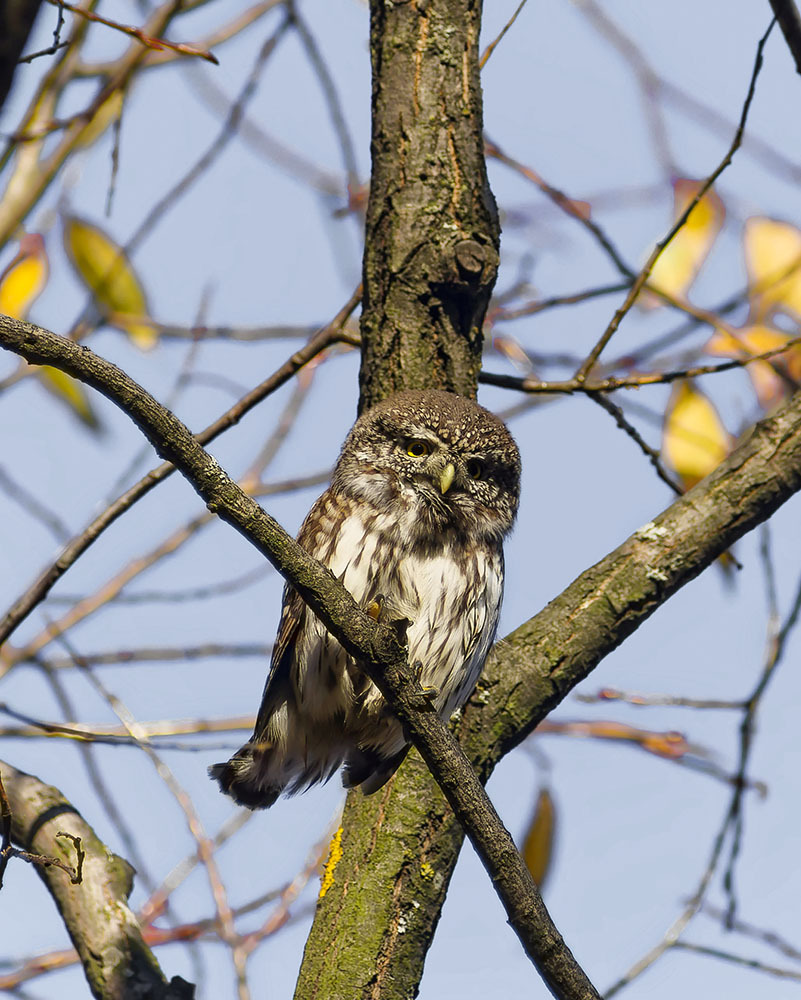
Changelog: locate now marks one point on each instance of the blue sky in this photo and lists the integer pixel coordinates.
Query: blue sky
(252, 245)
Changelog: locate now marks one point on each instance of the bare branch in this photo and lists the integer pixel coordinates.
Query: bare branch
(117, 962)
(786, 13)
(376, 646)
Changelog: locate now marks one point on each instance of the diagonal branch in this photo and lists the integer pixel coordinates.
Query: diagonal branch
(377, 647)
(544, 659)
(529, 673)
(106, 934)
(40, 588)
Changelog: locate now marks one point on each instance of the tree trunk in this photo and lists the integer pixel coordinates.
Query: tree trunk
(430, 263)
(432, 233)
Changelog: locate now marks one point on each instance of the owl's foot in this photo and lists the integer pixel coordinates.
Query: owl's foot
(425, 696)
(375, 609)
(381, 612)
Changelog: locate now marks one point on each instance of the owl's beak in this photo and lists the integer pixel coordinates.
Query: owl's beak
(446, 478)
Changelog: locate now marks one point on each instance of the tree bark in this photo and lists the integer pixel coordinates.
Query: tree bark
(432, 232)
(431, 257)
(105, 933)
(378, 647)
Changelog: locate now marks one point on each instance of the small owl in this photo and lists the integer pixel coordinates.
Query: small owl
(423, 493)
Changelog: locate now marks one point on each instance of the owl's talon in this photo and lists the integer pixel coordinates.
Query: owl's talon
(376, 607)
(425, 695)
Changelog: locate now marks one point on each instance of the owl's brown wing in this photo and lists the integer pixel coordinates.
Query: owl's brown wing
(278, 687)
(279, 681)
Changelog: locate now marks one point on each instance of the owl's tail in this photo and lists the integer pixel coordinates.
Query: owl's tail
(369, 771)
(288, 752)
(243, 779)
(285, 755)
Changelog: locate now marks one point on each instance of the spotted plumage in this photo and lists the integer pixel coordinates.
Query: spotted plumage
(424, 491)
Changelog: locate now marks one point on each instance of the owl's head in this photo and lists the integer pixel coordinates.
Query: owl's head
(437, 462)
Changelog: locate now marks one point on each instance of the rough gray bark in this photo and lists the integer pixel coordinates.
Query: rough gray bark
(432, 232)
(547, 657)
(104, 931)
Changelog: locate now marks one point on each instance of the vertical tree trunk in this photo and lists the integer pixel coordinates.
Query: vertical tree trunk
(16, 22)
(432, 233)
(430, 263)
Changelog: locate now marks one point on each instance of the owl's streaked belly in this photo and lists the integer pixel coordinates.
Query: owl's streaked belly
(452, 599)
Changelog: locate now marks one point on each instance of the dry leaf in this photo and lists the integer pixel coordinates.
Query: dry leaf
(538, 843)
(766, 376)
(773, 261)
(20, 285)
(106, 271)
(680, 262)
(694, 440)
(25, 277)
(108, 112)
(670, 744)
(70, 391)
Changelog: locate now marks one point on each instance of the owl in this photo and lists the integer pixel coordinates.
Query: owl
(423, 493)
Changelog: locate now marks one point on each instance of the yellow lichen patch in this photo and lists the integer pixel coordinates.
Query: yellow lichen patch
(334, 854)
(426, 871)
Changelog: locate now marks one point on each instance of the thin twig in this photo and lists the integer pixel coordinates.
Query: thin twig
(482, 62)
(137, 33)
(645, 273)
(777, 641)
(768, 937)
(190, 595)
(377, 646)
(727, 956)
(615, 382)
(225, 918)
(732, 820)
(568, 205)
(30, 503)
(506, 313)
(638, 699)
(652, 454)
(330, 95)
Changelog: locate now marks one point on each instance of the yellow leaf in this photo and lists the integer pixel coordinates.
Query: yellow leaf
(68, 390)
(766, 376)
(106, 271)
(694, 440)
(679, 263)
(773, 261)
(23, 280)
(537, 847)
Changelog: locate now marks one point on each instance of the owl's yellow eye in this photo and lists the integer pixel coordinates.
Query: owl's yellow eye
(418, 448)
(475, 469)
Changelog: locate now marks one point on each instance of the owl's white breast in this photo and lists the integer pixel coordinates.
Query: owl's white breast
(451, 597)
